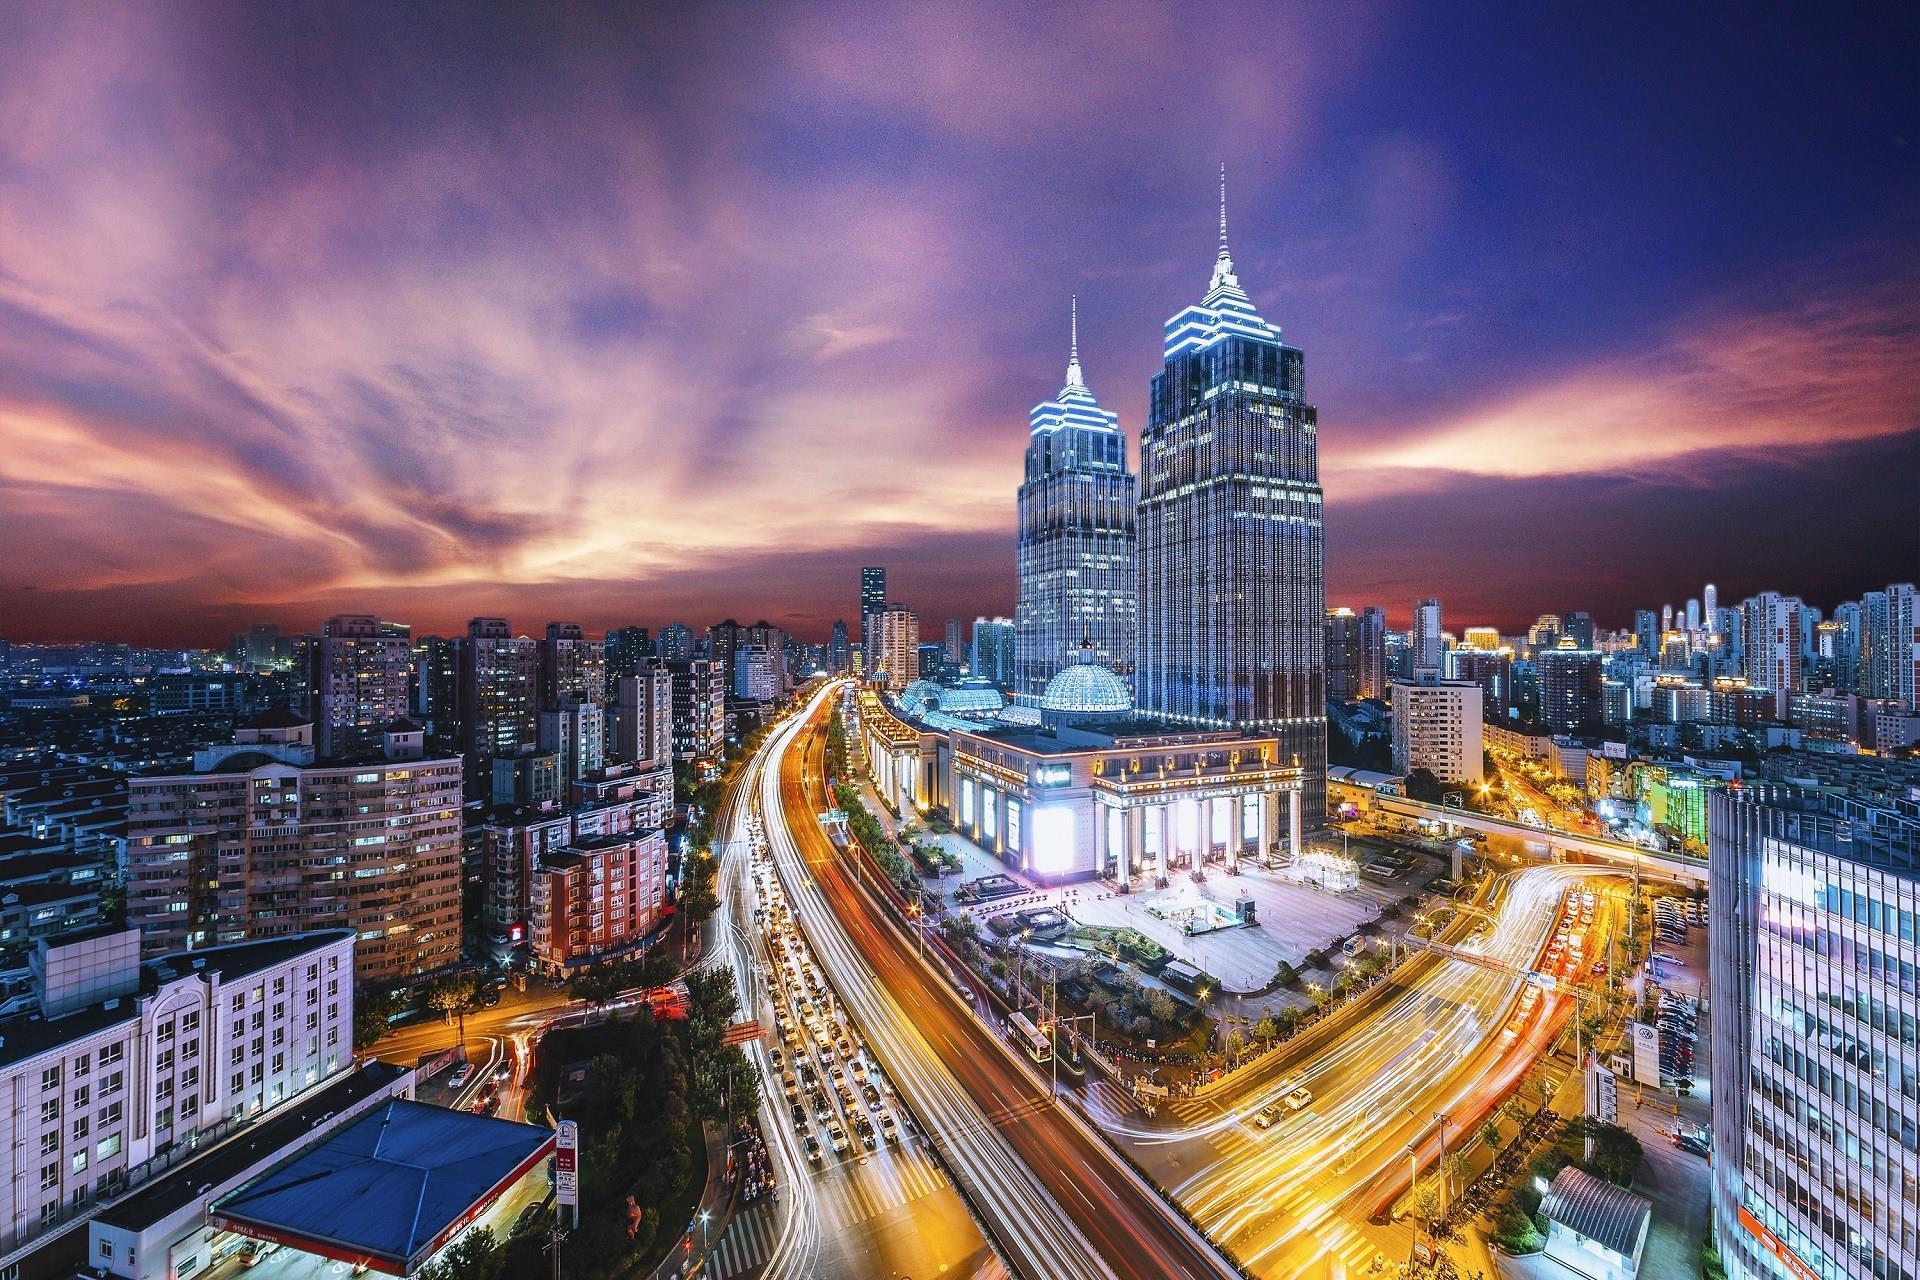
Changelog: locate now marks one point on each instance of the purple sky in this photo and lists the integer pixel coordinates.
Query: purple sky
(646, 313)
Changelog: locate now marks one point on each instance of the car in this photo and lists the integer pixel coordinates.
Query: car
(834, 1069)
(1266, 1115)
(799, 1114)
(1692, 1142)
(813, 1149)
(792, 1086)
(822, 1106)
(461, 1074)
(777, 1057)
(837, 1138)
(871, 1094)
(888, 1129)
(1299, 1098)
(253, 1251)
(859, 1068)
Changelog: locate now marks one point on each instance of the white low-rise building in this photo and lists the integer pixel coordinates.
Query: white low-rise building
(123, 1067)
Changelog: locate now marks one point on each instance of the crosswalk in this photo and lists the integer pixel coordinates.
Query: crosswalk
(843, 1196)
(1111, 1098)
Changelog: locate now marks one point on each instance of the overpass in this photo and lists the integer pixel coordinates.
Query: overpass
(1676, 866)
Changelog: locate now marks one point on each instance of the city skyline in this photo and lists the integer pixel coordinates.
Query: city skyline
(271, 354)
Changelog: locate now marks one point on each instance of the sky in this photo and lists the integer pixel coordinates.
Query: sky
(653, 312)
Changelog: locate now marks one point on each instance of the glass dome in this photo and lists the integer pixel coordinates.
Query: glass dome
(1086, 688)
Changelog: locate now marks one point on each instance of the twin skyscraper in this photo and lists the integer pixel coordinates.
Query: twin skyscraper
(1202, 582)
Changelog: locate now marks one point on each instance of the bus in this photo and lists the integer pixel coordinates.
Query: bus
(1038, 1047)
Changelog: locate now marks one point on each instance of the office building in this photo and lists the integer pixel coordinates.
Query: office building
(362, 677)
(1229, 481)
(1485, 639)
(1547, 629)
(1646, 632)
(436, 692)
(259, 841)
(873, 590)
(1570, 699)
(1428, 640)
(1812, 904)
(992, 656)
(121, 1064)
(1075, 556)
(755, 675)
(839, 649)
(499, 690)
(894, 635)
(1437, 727)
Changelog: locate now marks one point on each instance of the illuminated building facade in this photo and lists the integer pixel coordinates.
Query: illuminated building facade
(1812, 909)
(1075, 556)
(1232, 572)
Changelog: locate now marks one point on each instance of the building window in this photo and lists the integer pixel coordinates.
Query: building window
(49, 1142)
(112, 1053)
(81, 1096)
(49, 1176)
(989, 815)
(50, 1111)
(81, 1128)
(1013, 825)
(109, 1147)
(189, 1022)
(110, 1114)
(80, 1160)
(50, 1078)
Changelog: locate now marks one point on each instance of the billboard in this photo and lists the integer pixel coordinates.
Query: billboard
(1603, 1095)
(1646, 1053)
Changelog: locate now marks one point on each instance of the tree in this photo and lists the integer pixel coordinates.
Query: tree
(1456, 1167)
(1162, 1006)
(373, 1012)
(1490, 1136)
(454, 995)
(1266, 1031)
(1422, 785)
(1425, 1201)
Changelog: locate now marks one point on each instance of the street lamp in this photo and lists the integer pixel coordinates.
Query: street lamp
(703, 1231)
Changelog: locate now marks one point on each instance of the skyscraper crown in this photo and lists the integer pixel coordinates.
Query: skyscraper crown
(1075, 405)
(1226, 310)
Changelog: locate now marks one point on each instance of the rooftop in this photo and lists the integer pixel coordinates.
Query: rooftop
(180, 1187)
(389, 1185)
(31, 1034)
(1597, 1210)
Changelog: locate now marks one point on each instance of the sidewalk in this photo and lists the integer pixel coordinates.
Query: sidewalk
(688, 1258)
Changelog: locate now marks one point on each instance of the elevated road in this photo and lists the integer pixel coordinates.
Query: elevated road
(1674, 866)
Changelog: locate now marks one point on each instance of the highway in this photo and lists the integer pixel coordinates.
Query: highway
(1297, 1194)
(1051, 1194)
(887, 1212)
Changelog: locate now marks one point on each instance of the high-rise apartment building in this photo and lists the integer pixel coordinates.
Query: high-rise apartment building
(995, 642)
(1343, 655)
(873, 599)
(643, 716)
(677, 643)
(436, 696)
(1437, 727)
(499, 689)
(1232, 571)
(1770, 645)
(1570, 693)
(1646, 632)
(1493, 672)
(572, 667)
(699, 709)
(895, 645)
(1890, 644)
(1075, 557)
(627, 650)
(577, 733)
(362, 679)
(1373, 652)
(953, 649)
(259, 841)
(1428, 639)
(1812, 903)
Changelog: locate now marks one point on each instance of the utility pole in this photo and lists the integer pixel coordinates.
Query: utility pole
(1442, 1118)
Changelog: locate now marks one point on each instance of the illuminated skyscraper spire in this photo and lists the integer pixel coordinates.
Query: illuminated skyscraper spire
(1225, 256)
(1074, 377)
